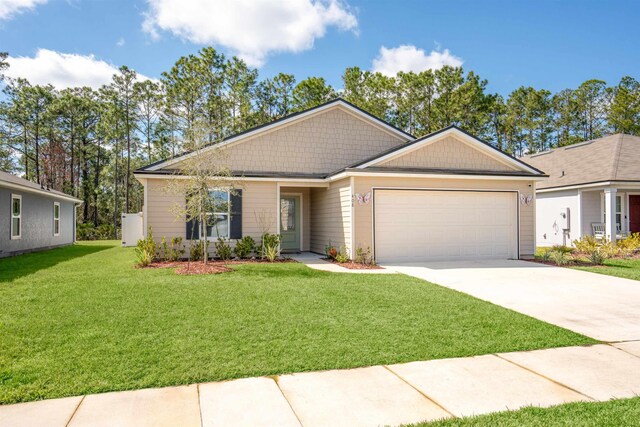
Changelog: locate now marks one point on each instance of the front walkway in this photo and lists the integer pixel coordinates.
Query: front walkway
(603, 307)
(378, 395)
(316, 262)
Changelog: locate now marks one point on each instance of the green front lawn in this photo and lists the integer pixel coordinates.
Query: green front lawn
(624, 412)
(626, 268)
(82, 320)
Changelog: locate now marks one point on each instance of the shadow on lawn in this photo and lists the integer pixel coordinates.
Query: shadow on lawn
(13, 268)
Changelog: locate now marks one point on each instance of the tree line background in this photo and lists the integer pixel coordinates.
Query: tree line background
(88, 142)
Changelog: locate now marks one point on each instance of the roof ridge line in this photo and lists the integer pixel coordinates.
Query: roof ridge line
(616, 156)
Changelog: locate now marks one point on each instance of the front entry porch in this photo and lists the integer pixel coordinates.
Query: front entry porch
(294, 220)
(612, 213)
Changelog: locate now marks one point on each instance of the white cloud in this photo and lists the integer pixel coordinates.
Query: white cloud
(10, 8)
(252, 29)
(121, 41)
(410, 58)
(62, 70)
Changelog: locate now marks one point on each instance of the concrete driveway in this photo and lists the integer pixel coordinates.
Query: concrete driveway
(602, 307)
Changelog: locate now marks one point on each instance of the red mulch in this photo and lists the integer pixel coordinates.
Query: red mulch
(212, 266)
(354, 265)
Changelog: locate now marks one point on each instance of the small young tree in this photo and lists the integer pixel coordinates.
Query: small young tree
(199, 175)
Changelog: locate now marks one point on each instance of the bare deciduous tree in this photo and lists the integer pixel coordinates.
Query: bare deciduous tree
(201, 176)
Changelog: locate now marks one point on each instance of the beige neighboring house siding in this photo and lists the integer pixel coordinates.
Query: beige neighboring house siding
(319, 144)
(447, 153)
(258, 209)
(331, 216)
(363, 214)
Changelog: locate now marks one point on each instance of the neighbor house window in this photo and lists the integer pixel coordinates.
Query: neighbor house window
(218, 218)
(56, 218)
(618, 210)
(16, 216)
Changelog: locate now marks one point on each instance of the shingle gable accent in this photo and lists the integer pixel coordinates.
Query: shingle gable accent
(289, 120)
(320, 144)
(448, 153)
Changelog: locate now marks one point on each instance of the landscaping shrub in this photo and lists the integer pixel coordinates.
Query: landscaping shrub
(596, 257)
(223, 250)
(196, 250)
(271, 252)
(630, 245)
(608, 249)
(363, 256)
(596, 251)
(342, 256)
(559, 257)
(330, 251)
(163, 250)
(270, 243)
(244, 247)
(177, 249)
(146, 250)
(545, 254)
(563, 249)
(586, 244)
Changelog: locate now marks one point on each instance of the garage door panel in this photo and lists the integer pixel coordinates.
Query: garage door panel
(413, 225)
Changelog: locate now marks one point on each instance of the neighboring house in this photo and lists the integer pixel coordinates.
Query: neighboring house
(593, 189)
(335, 174)
(34, 217)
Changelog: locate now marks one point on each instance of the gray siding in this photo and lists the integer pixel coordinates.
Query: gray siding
(37, 223)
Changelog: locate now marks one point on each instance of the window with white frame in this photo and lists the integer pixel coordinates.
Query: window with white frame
(218, 217)
(16, 216)
(56, 218)
(619, 216)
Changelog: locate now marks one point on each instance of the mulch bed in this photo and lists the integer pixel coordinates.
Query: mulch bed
(354, 265)
(581, 262)
(212, 266)
(578, 263)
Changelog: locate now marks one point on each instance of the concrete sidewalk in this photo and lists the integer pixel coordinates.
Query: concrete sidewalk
(377, 395)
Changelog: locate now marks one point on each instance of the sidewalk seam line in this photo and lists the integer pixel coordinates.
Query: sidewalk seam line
(420, 391)
(623, 350)
(295, 414)
(199, 405)
(75, 411)
(547, 378)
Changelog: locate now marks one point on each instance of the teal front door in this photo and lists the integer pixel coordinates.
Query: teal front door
(290, 223)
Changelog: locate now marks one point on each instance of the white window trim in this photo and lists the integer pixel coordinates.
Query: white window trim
(56, 219)
(624, 226)
(19, 235)
(228, 213)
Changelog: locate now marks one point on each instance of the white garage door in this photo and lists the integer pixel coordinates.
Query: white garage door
(419, 225)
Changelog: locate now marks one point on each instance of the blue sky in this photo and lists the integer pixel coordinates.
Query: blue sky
(545, 44)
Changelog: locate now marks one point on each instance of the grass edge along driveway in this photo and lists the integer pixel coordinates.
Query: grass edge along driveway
(619, 412)
(82, 319)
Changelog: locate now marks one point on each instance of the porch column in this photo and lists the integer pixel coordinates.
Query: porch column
(610, 213)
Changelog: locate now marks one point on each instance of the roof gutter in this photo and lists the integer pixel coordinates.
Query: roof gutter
(364, 173)
(24, 189)
(588, 185)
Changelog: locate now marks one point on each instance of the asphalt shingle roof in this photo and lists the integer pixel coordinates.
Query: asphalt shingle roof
(12, 179)
(611, 158)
